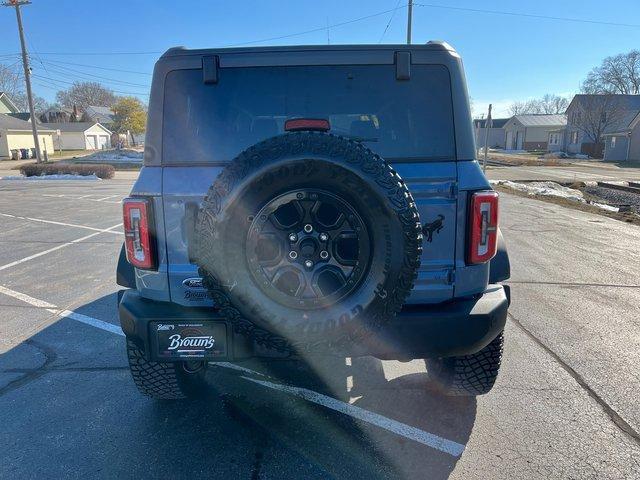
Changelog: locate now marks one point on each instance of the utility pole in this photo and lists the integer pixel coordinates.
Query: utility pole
(409, 21)
(487, 126)
(27, 73)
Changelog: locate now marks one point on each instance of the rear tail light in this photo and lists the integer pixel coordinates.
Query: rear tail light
(137, 233)
(483, 224)
(317, 124)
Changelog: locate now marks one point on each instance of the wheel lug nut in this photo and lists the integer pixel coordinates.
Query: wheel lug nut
(308, 263)
(308, 228)
(293, 237)
(324, 237)
(293, 254)
(324, 254)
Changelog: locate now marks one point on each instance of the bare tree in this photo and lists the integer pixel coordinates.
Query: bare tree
(548, 104)
(10, 81)
(83, 94)
(552, 104)
(518, 108)
(40, 105)
(617, 74)
(597, 115)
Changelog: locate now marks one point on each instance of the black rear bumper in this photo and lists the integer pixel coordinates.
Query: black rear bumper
(459, 327)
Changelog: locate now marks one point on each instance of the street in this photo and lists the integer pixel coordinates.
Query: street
(565, 404)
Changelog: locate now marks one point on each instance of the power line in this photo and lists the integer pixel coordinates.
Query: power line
(73, 83)
(528, 15)
(251, 42)
(100, 53)
(393, 14)
(63, 70)
(97, 67)
(318, 29)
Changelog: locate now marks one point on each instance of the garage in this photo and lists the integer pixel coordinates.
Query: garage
(16, 134)
(80, 136)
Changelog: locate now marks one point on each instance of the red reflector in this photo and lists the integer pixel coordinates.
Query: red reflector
(137, 233)
(483, 224)
(319, 124)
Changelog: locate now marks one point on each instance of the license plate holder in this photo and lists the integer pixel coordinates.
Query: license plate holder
(174, 341)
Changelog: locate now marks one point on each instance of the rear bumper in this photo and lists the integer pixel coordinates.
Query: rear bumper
(459, 327)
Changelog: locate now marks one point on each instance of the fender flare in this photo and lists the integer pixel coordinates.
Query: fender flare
(499, 266)
(125, 273)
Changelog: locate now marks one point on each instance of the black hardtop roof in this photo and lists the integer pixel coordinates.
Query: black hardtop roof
(431, 45)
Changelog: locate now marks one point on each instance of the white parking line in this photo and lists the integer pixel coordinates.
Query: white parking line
(94, 322)
(26, 298)
(84, 197)
(436, 442)
(454, 449)
(105, 198)
(52, 222)
(58, 247)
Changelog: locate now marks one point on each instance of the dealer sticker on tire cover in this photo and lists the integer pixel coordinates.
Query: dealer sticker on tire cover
(190, 340)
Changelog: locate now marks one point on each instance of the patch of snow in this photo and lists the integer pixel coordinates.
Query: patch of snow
(113, 156)
(581, 156)
(52, 177)
(547, 189)
(603, 206)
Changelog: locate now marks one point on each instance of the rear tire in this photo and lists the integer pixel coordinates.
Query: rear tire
(164, 381)
(468, 375)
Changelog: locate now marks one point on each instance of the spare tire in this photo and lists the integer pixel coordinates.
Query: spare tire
(308, 240)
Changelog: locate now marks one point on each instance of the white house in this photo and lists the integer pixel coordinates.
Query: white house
(16, 134)
(531, 131)
(80, 135)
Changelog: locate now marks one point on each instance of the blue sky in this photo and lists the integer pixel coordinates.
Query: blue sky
(506, 58)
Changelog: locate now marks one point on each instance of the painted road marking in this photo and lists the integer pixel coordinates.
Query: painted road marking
(436, 442)
(58, 247)
(94, 322)
(454, 449)
(41, 220)
(26, 298)
(50, 307)
(84, 197)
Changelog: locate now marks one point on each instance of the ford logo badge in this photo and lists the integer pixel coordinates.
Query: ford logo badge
(195, 282)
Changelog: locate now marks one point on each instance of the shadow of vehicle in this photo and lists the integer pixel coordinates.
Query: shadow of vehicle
(76, 385)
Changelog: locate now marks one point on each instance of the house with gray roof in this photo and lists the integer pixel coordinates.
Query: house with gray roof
(26, 116)
(496, 132)
(594, 119)
(102, 115)
(531, 131)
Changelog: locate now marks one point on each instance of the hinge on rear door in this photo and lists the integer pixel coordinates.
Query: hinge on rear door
(210, 69)
(403, 65)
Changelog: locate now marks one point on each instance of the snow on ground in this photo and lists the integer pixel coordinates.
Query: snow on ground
(552, 189)
(546, 189)
(113, 156)
(52, 177)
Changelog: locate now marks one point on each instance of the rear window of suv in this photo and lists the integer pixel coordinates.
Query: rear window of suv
(401, 120)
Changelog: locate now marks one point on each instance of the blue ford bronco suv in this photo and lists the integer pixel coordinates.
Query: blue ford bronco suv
(316, 200)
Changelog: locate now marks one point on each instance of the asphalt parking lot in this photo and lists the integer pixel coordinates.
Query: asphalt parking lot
(565, 404)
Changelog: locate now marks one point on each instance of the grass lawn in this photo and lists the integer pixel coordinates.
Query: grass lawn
(58, 155)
